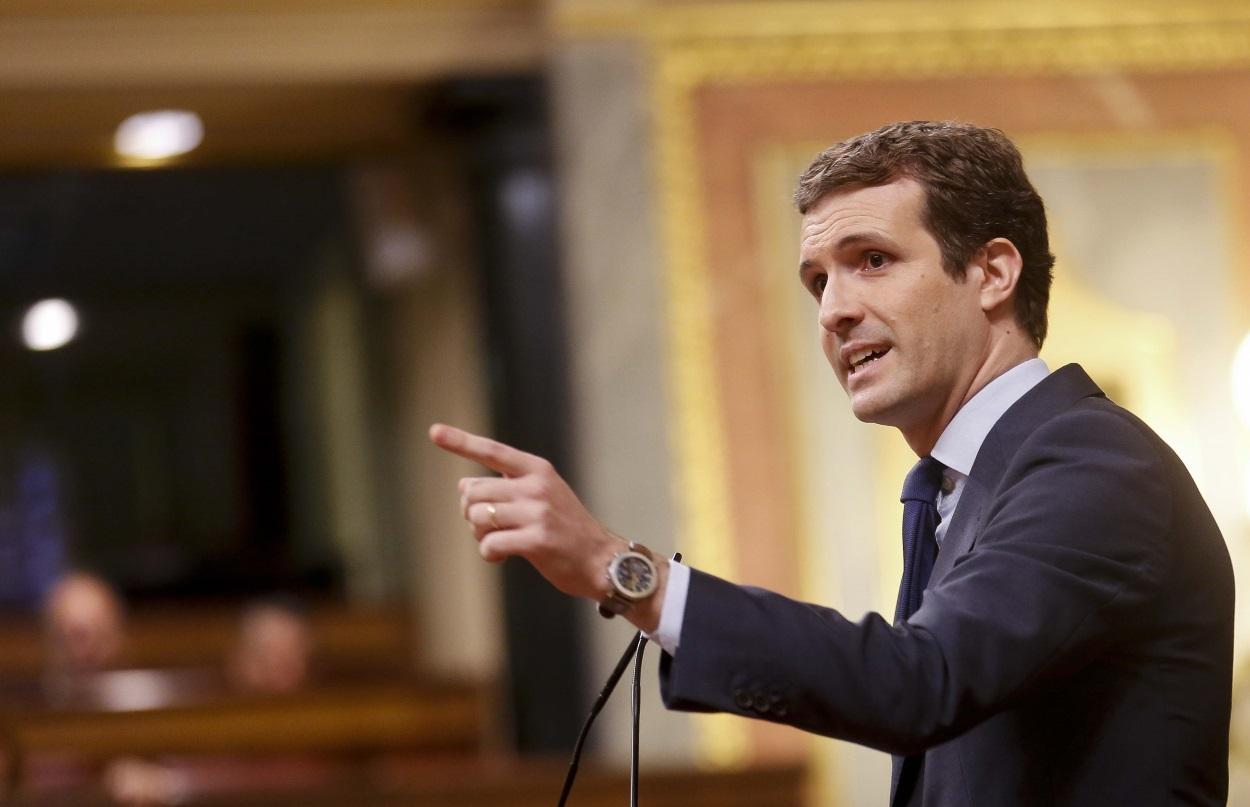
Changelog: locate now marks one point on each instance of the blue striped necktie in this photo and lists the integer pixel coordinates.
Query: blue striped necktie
(920, 521)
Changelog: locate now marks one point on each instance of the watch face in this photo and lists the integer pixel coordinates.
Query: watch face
(634, 575)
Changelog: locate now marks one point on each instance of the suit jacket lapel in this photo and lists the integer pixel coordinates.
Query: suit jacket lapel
(1060, 390)
(965, 525)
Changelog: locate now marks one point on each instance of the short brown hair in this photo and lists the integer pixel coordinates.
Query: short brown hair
(975, 190)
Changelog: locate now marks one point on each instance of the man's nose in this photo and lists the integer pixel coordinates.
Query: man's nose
(839, 310)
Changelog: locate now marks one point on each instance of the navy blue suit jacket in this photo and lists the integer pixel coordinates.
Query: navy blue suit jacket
(1074, 646)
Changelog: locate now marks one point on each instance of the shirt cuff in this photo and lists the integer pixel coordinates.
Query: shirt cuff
(668, 634)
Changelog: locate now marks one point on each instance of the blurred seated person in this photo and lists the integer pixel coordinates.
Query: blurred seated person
(272, 649)
(82, 622)
(270, 656)
(135, 782)
(84, 630)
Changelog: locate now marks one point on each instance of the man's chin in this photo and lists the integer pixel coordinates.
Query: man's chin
(866, 411)
(871, 409)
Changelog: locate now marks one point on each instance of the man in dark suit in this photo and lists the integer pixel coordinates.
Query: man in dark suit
(1063, 634)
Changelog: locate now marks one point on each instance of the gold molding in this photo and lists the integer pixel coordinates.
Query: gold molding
(914, 38)
(702, 476)
(791, 19)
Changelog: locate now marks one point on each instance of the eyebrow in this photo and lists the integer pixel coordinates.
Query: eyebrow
(848, 240)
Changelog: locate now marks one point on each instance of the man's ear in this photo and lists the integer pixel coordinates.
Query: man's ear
(1000, 264)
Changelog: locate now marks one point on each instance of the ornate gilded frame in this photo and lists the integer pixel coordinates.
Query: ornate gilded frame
(694, 44)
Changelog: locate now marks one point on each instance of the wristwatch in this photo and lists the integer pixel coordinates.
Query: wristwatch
(632, 577)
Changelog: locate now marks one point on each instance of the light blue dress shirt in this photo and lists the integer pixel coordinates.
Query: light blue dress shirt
(956, 448)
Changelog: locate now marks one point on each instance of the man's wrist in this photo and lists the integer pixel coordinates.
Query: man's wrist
(645, 615)
(645, 611)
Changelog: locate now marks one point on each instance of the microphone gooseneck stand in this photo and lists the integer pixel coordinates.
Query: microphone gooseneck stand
(634, 651)
(633, 753)
(617, 672)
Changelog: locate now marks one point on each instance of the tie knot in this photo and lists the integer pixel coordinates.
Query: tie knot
(923, 481)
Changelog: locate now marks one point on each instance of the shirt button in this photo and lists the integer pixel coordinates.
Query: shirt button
(948, 484)
(742, 698)
(761, 704)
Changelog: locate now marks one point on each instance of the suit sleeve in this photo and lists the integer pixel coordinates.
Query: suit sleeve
(1073, 545)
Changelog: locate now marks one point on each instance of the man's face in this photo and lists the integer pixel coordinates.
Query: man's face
(904, 338)
(272, 652)
(84, 626)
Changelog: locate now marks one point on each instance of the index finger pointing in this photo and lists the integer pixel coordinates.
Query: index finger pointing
(493, 454)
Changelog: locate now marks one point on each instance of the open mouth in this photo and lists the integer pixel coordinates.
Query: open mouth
(862, 360)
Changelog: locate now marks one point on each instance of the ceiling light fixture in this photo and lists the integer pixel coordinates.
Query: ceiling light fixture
(158, 135)
(49, 324)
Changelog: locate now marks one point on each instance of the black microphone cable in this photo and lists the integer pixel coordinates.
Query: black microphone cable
(617, 672)
(636, 645)
(633, 753)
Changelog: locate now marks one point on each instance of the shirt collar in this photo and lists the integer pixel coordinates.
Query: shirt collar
(961, 440)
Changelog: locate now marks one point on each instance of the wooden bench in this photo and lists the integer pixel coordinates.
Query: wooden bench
(179, 636)
(358, 718)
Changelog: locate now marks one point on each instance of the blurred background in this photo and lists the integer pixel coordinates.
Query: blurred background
(249, 251)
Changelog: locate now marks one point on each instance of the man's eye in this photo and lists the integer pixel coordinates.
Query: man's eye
(875, 260)
(818, 286)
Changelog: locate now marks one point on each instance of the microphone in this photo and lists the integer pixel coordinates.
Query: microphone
(635, 650)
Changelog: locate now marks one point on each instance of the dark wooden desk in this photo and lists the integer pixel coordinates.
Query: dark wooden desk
(171, 636)
(360, 717)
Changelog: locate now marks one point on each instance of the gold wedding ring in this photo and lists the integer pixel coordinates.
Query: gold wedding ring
(490, 508)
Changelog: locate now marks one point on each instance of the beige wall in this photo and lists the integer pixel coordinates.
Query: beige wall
(616, 324)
